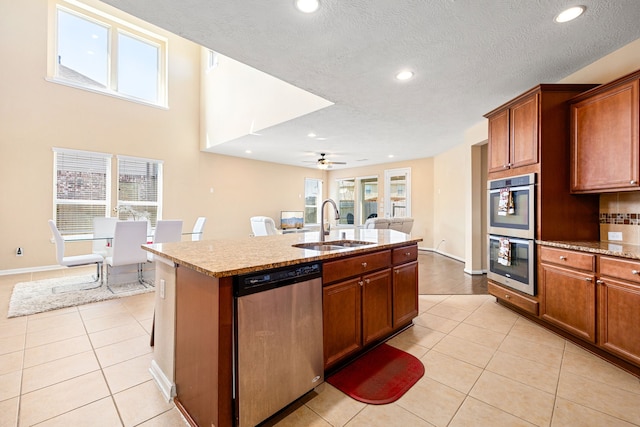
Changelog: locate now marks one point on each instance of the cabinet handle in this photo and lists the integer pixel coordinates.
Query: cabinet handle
(360, 283)
(563, 258)
(636, 272)
(408, 254)
(632, 182)
(599, 282)
(364, 265)
(367, 281)
(397, 271)
(507, 296)
(506, 166)
(588, 279)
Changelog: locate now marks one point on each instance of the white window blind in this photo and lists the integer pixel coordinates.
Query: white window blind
(139, 189)
(81, 189)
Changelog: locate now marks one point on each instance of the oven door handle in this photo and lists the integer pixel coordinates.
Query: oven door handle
(523, 187)
(511, 239)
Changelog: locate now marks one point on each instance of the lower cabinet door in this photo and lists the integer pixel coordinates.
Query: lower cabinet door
(405, 293)
(376, 306)
(569, 300)
(619, 318)
(341, 308)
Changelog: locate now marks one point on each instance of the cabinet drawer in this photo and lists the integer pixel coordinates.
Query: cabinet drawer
(354, 266)
(567, 258)
(525, 303)
(404, 254)
(620, 268)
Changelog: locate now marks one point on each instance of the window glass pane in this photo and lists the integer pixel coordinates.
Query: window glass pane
(369, 198)
(346, 200)
(83, 50)
(137, 68)
(82, 188)
(138, 189)
(312, 200)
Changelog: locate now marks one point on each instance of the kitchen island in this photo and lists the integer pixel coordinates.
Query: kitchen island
(369, 293)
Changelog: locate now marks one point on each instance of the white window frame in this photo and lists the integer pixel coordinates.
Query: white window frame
(134, 203)
(116, 26)
(106, 203)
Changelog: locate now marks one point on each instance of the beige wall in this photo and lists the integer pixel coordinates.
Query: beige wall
(421, 192)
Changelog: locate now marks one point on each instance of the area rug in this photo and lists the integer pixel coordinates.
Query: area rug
(380, 376)
(39, 296)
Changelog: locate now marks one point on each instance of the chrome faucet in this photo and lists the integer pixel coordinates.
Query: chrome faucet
(324, 202)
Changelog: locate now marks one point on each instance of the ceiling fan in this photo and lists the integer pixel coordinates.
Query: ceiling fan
(323, 163)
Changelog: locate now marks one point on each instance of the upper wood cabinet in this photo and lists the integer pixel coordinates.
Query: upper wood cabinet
(604, 138)
(530, 125)
(513, 133)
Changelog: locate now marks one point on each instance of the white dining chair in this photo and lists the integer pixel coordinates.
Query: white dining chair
(167, 230)
(198, 228)
(263, 226)
(128, 238)
(75, 260)
(103, 229)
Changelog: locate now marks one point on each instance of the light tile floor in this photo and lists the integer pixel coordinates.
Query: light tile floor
(485, 366)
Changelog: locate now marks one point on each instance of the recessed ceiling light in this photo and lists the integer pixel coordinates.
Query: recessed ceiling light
(311, 135)
(569, 14)
(320, 138)
(307, 6)
(404, 75)
(247, 151)
(390, 156)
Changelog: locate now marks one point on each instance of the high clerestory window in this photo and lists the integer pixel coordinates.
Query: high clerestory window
(99, 52)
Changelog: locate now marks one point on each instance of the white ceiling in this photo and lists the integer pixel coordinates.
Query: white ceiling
(469, 56)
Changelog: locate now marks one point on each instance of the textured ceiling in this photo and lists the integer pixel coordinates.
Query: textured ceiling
(469, 56)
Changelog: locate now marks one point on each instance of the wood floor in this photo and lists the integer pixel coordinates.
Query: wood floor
(441, 275)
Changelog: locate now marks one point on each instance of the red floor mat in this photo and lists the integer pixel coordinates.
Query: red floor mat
(381, 376)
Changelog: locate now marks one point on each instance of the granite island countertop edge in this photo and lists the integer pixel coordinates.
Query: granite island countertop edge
(231, 257)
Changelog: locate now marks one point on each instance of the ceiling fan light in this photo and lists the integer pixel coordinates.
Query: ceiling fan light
(307, 6)
(323, 166)
(569, 14)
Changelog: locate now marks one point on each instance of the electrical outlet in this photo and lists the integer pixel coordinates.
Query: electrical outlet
(615, 235)
(19, 252)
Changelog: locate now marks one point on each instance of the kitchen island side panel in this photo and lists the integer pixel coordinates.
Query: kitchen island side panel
(203, 348)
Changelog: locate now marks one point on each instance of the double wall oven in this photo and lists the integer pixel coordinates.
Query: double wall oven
(511, 228)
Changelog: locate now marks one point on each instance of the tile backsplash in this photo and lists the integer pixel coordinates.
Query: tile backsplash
(620, 212)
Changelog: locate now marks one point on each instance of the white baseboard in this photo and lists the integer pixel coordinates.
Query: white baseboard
(31, 270)
(474, 272)
(167, 388)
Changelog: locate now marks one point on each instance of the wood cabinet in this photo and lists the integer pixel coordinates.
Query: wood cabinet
(605, 141)
(593, 297)
(619, 307)
(530, 134)
(567, 291)
(357, 304)
(366, 301)
(405, 285)
(513, 132)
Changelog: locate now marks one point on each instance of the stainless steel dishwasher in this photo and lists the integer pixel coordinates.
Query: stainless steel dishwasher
(278, 340)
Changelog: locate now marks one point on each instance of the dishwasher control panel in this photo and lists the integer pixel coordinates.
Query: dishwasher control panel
(269, 279)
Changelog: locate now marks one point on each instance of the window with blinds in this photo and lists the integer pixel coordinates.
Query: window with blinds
(82, 189)
(139, 189)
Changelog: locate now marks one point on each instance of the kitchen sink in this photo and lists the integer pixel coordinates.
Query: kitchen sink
(333, 245)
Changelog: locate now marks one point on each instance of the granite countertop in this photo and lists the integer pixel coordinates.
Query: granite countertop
(619, 249)
(230, 257)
